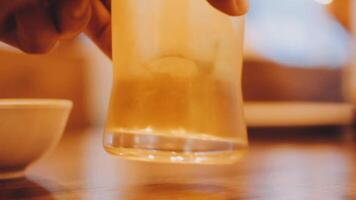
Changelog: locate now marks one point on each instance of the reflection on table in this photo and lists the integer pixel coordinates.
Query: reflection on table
(313, 164)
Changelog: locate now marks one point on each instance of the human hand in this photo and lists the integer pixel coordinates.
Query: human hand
(35, 26)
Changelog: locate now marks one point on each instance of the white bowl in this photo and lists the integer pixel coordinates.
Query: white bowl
(29, 128)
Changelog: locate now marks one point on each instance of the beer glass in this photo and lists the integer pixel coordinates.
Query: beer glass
(177, 83)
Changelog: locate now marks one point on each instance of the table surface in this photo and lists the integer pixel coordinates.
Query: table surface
(285, 169)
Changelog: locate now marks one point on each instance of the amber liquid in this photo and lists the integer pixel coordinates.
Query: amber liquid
(164, 103)
(170, 111)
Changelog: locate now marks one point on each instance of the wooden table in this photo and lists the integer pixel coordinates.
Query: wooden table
(322, 168)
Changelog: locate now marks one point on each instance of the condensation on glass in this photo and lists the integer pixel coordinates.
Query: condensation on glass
(177, 83)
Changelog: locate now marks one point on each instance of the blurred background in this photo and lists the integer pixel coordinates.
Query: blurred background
(296, 50)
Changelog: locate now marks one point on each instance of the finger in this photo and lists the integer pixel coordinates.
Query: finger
(8, 32)
(10, 38)
(72, 16)
(231, 7)
(107, 4)
(99, 27)
(35, 31)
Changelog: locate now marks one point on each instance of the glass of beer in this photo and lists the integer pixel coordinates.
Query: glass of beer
(177, 83)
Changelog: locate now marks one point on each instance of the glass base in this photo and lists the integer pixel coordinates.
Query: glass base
(174, 147)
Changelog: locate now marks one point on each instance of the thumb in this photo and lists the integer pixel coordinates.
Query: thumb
(99, 27)
(231, 7)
